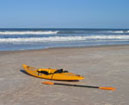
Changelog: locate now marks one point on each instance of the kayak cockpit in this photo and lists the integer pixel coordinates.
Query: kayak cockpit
(60, 71)
(43, 72)
(49, 73)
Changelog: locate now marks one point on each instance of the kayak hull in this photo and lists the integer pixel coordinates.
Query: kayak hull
(66, 76)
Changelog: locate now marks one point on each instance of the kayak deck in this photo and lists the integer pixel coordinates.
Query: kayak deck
(53, 74)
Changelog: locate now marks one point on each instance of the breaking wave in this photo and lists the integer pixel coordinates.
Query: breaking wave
(120, 31)
(41, 32)
(66, 38)
(26, 32)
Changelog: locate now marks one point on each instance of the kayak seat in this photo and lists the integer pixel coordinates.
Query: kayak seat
(60, 71)
(65, 71)
(43, 72)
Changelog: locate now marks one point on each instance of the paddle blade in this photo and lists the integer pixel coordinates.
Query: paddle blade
(48, 83)
(107, 88)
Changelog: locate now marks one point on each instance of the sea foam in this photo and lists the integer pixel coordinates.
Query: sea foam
(67, 38)
(26, 32)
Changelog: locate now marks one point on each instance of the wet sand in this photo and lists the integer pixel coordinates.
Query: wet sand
(101, 66)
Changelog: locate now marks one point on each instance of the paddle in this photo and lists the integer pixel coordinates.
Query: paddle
(103, 88)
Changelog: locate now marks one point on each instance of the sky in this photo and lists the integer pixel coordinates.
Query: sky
(64, 14)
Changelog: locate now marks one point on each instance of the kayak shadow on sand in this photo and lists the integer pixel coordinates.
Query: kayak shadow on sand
(23, 71)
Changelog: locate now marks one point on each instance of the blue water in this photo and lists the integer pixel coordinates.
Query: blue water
(26, 39)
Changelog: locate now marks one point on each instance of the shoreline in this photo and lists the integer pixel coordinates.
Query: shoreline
(57, 48)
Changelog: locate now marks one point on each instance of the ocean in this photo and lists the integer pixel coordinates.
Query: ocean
(30, 39)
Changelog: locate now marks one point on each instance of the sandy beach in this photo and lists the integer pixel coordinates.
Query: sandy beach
(101, 66)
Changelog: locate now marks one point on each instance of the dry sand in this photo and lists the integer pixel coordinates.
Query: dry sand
(101, 66)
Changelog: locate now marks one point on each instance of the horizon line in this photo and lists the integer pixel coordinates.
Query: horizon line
(60, 28)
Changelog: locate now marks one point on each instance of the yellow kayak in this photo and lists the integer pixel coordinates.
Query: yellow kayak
(53, 74)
